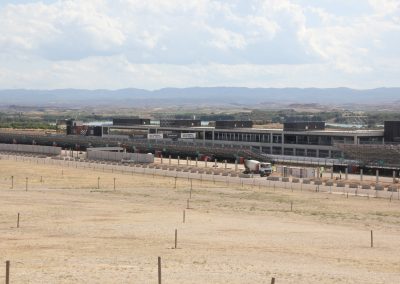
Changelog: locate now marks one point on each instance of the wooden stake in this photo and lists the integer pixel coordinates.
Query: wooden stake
(18, 221)
(159, 270)
(291, 205)
(184, 217)
(12, 182)
(273, 280)
(191, 186)
(176, 238)
(7, 272)
(26, 184)
(372, 239)
(98, 182)
(114, 183)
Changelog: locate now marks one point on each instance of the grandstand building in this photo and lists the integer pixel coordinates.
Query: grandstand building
(298, 139)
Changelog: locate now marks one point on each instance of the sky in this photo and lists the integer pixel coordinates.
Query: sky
(152, 44)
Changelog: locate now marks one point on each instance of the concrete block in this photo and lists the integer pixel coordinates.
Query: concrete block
(244, 176)
(273, 178)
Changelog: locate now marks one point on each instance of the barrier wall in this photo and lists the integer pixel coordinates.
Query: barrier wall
(36, 149)
(118, 156)
(296, 172)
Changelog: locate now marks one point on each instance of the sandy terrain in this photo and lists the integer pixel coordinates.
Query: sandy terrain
(72, 232)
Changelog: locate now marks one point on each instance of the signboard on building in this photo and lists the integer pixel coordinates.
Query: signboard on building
(188, 135)
(155, 136)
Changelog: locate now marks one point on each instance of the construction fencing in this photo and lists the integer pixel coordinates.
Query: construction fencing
(275, 183)
(34, 149)
(120, 156)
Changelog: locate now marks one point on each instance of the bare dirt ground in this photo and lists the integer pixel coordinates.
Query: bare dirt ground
(72, 232)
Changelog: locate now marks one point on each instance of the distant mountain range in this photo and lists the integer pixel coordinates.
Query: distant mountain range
(199, 96)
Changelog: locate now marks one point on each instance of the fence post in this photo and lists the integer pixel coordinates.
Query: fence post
(159, 270)
(7, 272)
(176, 238)
(18, 221)
(372, 239)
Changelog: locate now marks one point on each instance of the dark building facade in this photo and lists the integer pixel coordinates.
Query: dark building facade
(180, 123)
(231, 124)
(304, 126)
(131, 121)
(392, 131)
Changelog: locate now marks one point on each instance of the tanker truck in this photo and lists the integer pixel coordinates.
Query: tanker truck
(256, 167)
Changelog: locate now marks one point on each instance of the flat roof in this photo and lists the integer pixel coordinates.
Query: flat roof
(255, 130)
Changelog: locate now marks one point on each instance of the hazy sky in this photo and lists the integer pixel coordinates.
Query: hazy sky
(169, 43)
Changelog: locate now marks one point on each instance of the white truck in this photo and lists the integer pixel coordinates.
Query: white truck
(256, 167)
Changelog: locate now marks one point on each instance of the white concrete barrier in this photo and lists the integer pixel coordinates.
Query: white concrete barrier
(35, 149)
(120, 156)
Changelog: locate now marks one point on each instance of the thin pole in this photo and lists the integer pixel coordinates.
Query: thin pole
(372, 239)
(26, 184)
(12, 182)
(191, 186)
(114, 183)
(159, 270)
(273, 280)
(7, 272)
(18, 221)
(176, 238)
(184, 217)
